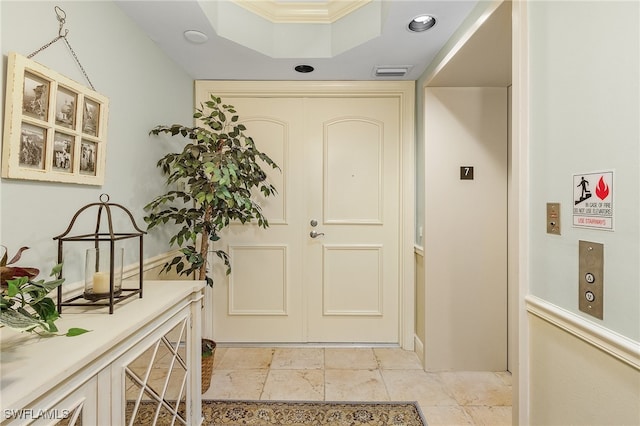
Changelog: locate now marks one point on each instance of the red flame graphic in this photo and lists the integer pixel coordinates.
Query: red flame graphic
(602, 190)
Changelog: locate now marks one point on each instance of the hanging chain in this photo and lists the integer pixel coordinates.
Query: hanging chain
(62, 34)
(44, 47)
(78, 62)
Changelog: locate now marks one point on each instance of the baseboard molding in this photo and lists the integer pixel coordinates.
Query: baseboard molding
(614, 344)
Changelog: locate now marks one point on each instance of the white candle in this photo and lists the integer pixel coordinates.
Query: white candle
(101, 282)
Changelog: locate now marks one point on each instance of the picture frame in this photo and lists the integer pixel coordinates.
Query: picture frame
(55, 129)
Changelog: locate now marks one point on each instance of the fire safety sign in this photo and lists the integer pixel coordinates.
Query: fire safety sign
(593, 200)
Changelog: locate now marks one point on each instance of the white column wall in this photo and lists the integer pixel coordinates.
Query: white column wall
(465, 244)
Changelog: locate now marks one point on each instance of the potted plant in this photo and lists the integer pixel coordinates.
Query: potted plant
(208, 350)
(211, 182)
(25, 304)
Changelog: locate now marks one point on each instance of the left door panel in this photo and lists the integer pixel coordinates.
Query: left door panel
(262, 298)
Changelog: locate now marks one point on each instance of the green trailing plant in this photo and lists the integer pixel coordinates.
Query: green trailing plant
(25, 304)
(211, 183)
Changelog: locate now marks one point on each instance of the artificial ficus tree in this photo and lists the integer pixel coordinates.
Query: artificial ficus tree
(211, 183)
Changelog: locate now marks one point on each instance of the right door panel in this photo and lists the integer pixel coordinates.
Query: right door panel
(352, 270)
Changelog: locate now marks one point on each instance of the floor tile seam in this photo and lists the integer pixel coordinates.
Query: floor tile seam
(468, 415)
(441, 404)
(352, 369)
(264, 383)
(449, 390)
(324, 384)
(241, 369)
(463, 400)
(426, 408)
(401, 368)
(296, 368)
(384, 382)
(324, 374)
(486, 405)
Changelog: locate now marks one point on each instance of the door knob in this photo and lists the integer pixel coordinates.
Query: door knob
(314, 234)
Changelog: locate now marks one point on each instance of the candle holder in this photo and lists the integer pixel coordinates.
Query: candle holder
(97, 274)
(104, 261)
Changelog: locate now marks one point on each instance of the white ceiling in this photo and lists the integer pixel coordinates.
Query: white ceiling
(222, 59)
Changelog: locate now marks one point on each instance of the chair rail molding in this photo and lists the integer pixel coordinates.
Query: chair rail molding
(614, 344)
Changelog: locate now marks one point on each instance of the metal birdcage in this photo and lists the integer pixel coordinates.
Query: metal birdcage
(103, 261)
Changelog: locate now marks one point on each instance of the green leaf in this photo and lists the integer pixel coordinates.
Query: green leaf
(13, 288)
(56, 270)
(18, 320)
(51, 327)
(46, 309)
(76, 331)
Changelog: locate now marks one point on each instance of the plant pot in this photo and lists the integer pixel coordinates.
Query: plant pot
(208, 351)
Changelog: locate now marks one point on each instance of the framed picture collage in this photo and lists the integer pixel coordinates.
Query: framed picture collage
(55, 129)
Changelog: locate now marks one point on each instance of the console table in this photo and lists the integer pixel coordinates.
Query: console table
(140, 361)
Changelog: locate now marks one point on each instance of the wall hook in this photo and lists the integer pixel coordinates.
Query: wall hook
(62, 15)
(62, 34)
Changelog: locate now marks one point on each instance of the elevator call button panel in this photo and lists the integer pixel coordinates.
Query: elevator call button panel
(591, 278)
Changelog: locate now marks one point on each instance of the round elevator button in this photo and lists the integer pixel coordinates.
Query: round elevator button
(589, 296)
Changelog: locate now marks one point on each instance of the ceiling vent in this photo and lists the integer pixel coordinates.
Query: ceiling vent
(400, 71)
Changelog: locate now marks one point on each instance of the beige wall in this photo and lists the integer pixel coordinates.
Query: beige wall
(573, 382)
(465, 249)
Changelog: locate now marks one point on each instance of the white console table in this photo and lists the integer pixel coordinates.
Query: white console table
(105, 376)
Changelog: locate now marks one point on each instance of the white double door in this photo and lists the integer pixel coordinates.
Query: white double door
(339, 179)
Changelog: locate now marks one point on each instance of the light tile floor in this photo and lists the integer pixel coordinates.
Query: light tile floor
(361, 374)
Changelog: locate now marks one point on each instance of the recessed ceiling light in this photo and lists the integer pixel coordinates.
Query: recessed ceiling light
(421, 23)
(196, 37)
(304, 68)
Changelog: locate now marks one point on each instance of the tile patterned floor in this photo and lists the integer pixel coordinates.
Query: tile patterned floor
(361, 374)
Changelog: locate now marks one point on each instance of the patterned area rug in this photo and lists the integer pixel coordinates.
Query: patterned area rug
(311, 413)
(292, 413)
